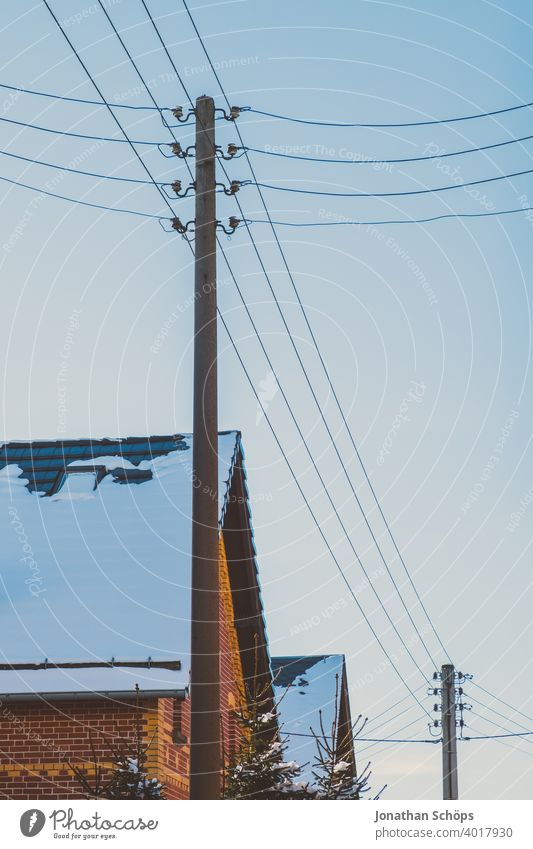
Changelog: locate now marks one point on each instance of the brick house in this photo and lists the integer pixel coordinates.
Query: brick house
(95, 600)
(95, 608)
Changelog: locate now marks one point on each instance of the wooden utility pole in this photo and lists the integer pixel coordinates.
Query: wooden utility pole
(449, 734)
(205, 749)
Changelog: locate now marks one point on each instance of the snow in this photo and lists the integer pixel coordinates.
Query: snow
(287, 765)
(266, 717)
(77, 487)
(93, 679)
(105, 576)
(109, 461)
(305, 686)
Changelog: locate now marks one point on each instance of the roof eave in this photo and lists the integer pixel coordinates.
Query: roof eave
(89, 695)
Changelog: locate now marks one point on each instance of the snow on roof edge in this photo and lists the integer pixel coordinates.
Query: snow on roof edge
(91, 682)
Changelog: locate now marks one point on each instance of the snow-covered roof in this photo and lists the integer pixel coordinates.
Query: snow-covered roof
(303, 686)
(94, 573)
(108, 681)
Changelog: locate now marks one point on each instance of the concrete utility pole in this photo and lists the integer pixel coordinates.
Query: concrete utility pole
(449, 734)
(205, 749)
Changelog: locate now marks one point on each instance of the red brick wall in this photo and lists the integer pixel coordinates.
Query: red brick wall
(36, 739)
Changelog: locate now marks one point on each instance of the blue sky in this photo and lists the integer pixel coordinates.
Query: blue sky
(426, 329)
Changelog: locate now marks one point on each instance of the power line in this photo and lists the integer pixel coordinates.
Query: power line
(317, 470)
(398, 731)
(357, 223)
(391, 125)
(79, 99)
(315, 343)
(497, 712)
(130, 57)
(78, 170)
(343, 466)
(501, 727)
(501, 715)
(508, 745)
(72, 134)
(315, 520)
(100, 94)
(391, 719)
(383, 712)
(499, 736)
(393, 194)
(85, 101)
(499, 699)
(371, 725)
(169, 57)
(365, 739)
(368, 161)
(160, 109)
(80, 202)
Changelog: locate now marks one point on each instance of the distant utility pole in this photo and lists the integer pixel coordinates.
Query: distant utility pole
(205, 749)
(449, 734)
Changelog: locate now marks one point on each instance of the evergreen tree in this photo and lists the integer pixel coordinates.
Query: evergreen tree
(334, 772)
(259, 770)
(128, 778)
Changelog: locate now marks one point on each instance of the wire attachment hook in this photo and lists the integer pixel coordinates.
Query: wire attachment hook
(176, 188)
(233, 149)
(233, 187)
(232, 115)
(178, 114)
(233, 224)
(178, 151)
(180, 227)
(436, 724)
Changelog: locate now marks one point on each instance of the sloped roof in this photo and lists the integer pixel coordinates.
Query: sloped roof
(304, 686)
(94, 575)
